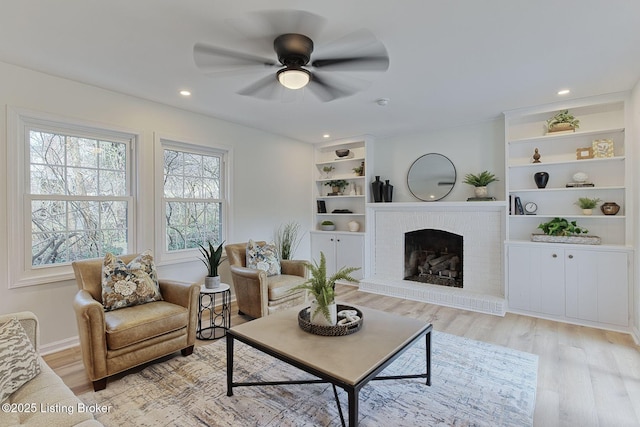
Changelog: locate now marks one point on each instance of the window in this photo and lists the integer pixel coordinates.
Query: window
(76, 196)
(193, 196)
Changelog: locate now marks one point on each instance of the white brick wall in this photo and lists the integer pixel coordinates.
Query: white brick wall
(481, 226)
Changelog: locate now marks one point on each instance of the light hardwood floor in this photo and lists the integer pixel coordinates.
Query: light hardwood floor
(586, 376)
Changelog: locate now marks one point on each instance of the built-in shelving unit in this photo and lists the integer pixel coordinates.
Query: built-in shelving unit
(584, 284)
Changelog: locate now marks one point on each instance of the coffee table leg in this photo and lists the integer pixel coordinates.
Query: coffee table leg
(428, 355)
(353, 407)
(229, 365)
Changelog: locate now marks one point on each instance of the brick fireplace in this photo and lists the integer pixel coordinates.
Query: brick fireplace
(481, 227)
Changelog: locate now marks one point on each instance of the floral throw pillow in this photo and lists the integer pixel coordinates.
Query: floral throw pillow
(125, 285)
(18, 358)
(263, 257)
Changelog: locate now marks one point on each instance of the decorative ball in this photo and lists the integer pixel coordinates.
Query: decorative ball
(580, 177)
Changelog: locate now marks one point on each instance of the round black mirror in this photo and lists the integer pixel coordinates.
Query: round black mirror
(431, 177)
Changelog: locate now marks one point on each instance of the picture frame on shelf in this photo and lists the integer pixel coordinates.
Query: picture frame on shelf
(322, 206)
(602, 148)
(584, 153)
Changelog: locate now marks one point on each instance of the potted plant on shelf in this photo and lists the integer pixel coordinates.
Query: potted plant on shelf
(561, 230)
(336, 185)
(480, 182)
(212, 258)
(327, 225)
(359, 171)
(562, 121)
(587, 204)
(327, 170)
(323, 308)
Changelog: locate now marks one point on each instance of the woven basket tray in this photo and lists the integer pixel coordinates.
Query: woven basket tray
(330, 331)
(580, 240)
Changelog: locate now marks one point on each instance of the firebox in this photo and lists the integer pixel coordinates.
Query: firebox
(434, 257)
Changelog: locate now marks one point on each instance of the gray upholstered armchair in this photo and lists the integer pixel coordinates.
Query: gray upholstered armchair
(259, 295)
(114, 341)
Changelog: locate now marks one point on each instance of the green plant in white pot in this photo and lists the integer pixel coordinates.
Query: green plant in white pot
(323, 309)
(480, 182)
(212, 258)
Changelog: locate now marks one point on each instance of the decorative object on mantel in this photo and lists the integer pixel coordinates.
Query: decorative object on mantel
(387, 192)
(610, 208)
(480, 182)
(536, 156)
(602, 148)
(211, 259)
(323, 310)
(541, 179)
(350, 320)
(376, 189)
(563, 122)
(587, 204)
(561, 230)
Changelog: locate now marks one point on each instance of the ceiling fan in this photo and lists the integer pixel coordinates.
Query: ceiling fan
(296, 69)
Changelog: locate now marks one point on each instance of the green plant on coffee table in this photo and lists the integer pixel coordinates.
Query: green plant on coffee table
(562, 227)
(587, 203)
(481, 180)
(322, 288)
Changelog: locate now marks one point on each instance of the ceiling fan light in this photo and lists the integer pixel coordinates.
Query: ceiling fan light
(294, 78)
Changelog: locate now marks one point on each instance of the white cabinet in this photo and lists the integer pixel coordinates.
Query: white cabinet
(340, 250)
(567, 282)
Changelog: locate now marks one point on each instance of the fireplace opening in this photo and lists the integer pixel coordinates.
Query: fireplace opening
(434, 257)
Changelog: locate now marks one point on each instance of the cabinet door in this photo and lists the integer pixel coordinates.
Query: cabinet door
(598, 286)
(350, 252)
(325, 243)
(520, 280)
(549, 271)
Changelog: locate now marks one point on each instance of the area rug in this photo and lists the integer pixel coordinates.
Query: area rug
(473, 384)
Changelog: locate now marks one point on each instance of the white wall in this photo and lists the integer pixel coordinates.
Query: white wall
(635, 137)
(270, 181)
(471, 148)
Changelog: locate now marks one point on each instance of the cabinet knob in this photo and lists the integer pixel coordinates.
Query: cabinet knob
(332, 239)
(555, 255)
(338, 240)
(570, 256)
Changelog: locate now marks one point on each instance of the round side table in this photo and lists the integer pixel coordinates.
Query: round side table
(220, 318)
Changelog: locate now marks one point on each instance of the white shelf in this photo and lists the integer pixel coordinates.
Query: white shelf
(570, 189)
(340, 160)
(568, 135)
(572, 216)
(567, 162)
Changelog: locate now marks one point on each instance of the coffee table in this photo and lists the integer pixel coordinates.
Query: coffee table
(349, 361)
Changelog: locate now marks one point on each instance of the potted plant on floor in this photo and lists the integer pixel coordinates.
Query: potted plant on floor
(212, 258)
(287, 239)
(480, 182)
(587, 204)
(322, 310)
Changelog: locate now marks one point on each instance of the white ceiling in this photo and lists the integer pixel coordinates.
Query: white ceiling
(451, 62)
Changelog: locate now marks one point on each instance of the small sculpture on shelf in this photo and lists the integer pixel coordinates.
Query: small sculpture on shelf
(536, 156)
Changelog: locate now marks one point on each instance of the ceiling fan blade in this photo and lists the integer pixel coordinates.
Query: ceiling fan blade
(357, 51)
(265, 88)
(362, 63)
(277, 22)
(208, 57)
(327, 89)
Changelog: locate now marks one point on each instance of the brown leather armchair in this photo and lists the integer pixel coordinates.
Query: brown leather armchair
(114, 341)
(259, 295)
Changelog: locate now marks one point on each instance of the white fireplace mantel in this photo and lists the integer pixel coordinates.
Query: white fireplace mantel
(480, 223)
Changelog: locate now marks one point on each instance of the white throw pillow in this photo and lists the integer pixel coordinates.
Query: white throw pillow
(18, 359)
(263, 258)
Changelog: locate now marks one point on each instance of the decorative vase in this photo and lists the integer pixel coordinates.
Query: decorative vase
(610, 208)
(481, 191)
(353, 226)
(211, 282)
(387, 191)
(541, 179)
(587, 211)
(317, 318)
(376, 189)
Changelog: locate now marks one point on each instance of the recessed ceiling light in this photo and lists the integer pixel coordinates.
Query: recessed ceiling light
(185, 93)
(564, 92)
(326, 135)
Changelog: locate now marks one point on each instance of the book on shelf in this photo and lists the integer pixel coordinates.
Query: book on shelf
(519, 210)
(579, 184)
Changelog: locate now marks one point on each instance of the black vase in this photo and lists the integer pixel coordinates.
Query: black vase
(376, 189)
(387, 191)
(541, 179)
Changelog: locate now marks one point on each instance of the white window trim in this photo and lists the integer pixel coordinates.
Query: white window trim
(162, 141)
(20, 271)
